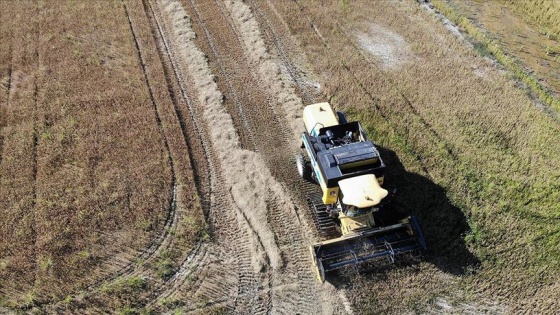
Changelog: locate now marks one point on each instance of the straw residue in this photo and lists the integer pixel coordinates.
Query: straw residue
(245, 172)
(275, 81)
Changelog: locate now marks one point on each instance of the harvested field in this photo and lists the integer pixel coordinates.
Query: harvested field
(146, 159)
(476, 136)
(91, 187)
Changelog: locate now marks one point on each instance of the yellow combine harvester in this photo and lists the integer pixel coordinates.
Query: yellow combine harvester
(347, 166)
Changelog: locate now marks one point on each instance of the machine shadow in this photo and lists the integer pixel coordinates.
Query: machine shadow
(444, 225)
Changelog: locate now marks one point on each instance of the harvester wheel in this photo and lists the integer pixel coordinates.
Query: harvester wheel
(326, 225)
(303, 167)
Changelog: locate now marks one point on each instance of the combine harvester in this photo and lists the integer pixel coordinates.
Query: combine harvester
(339, 157)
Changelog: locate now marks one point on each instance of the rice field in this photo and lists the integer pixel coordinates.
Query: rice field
(146, 156)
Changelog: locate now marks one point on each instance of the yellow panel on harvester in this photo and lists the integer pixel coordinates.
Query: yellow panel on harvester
(330, 195)
(317, 116)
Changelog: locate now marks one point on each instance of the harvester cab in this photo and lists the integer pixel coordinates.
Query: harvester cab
(337, 155)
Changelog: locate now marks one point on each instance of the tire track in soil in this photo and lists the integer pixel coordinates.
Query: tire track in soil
(261, 113)
(296, 264)
(190, 127)
(288, 232)
(246, 219)
(268, 74)
(201, 156)
(302, 297)
(3, 106)
(37, 126)
(257, 114)
(128, 266)
(228, 67)
(260, 110)
(248, 25)
(202, 162)
(246, 276)
(308, 95)
(215, 212)
(266, 110)
(171, 220)
(287, 172)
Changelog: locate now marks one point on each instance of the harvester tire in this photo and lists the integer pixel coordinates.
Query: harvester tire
(303, 167)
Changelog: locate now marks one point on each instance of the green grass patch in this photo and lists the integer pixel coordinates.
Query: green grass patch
(487, 196)
(164, 265)
(485, 45)
(125, 286)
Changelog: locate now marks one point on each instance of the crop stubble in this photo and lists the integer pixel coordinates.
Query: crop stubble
(103, 178)
(247, 210)
(240, 149)
(454, 119)
(17, 163)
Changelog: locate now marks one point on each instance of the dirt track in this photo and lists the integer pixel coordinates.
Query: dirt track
(258, 242)
(242, 136)
(257, 260)
(226, 98)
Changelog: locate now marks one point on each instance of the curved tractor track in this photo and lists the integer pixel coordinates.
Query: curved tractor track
(251, 265)
(126, 265)
(192, 279)
(236, 94)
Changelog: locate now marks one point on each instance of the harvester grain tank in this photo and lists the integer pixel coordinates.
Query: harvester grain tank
(338, 156)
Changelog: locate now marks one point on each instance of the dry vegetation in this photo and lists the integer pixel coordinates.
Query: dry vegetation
(545, 13)
(87, 171)
(454, 121)
(490, 46)
(99, 157)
